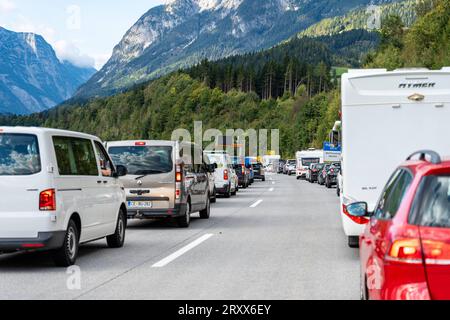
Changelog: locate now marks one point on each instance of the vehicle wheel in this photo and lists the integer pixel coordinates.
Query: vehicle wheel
(117, 239)
(353, 242)
(235, 191)
(67, 254)
(338, 191)
(185, 220)
(214, 198)
(264, 179)
(205, 213)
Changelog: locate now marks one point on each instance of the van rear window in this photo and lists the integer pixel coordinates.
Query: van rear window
(143, 160)
(19, 154)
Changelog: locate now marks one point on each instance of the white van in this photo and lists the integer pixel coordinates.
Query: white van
(306, 158)
(59, 189)
(386, 116)
(226, 179)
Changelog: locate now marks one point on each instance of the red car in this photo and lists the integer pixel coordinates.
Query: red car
(405, 248)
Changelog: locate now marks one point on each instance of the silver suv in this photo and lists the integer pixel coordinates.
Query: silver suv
(163, 181)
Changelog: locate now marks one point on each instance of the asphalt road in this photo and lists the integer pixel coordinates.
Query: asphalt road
(279, 239)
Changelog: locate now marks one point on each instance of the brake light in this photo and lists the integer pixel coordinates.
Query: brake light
(178, 174)
(225, 174)
(243, 170)
(358, 220)
(406, 251)
(47, 200)
(436, 252)
(140, 143)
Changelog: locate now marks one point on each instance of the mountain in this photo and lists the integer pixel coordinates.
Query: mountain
(32, 78)
(183, 32)
(357, 19)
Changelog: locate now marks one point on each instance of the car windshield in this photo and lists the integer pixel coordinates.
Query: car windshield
(19, 154)
(143, 159)
(434, 207)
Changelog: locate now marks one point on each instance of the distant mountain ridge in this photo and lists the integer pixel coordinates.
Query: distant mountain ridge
(32, 78)
(357, 19)
(183, 32)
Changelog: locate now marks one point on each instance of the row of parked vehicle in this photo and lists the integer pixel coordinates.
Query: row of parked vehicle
(61, 189)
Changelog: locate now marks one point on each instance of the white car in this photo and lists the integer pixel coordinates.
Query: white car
(225, 177)
(59, 189)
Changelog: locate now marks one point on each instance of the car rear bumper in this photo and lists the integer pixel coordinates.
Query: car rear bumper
(44, 241)
(223, 189)
(177, 211)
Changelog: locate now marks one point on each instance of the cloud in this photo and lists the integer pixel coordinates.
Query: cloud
(6, 6)
(68, 51)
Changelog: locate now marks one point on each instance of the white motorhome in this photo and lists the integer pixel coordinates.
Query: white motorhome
(386, 116)
(305, 158)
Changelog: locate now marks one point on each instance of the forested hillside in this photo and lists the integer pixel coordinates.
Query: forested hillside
(304, 117)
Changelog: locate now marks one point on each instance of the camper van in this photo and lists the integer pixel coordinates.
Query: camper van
(386, 116)
(305, 159)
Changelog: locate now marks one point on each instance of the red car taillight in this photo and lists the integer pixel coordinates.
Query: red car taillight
(415, 251)
(406, 250)
(47, 200)
(225, 174)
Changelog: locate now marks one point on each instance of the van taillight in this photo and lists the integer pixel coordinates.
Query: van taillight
(225, 174)
(140, 143)
(47, 200)
(179, 174)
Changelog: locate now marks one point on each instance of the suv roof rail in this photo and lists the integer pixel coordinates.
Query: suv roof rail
(435, 158)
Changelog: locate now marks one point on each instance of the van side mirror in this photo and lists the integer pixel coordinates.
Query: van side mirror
(358, 209)
(121, 171)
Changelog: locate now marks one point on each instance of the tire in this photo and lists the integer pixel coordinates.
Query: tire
(264, 179)
(66, 256)
(205, 213)
(214, 199)
(298, 178)
(338, 191)
(364, 296)
(228, 194)
(185, 220)
(353, 242)
(117, 239)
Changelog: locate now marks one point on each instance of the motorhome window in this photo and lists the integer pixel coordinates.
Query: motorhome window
(306, 162)
(75, 156)
(19, 154)
(141, 160)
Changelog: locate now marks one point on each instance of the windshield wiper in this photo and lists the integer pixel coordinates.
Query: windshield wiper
(150, 172)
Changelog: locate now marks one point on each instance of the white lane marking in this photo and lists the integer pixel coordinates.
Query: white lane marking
(164, 262)
(271, 189)
(257, 203)
(273, 182)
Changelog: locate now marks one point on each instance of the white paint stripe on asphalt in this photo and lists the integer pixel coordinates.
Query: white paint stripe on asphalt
(273, 182)
(257, 203)
(164, 262)
(271, 189)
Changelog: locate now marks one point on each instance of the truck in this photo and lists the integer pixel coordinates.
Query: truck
(386, 116)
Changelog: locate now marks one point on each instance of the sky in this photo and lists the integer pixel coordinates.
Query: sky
(83, 32)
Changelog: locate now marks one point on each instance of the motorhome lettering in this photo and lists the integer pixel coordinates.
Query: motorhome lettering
(417, 85)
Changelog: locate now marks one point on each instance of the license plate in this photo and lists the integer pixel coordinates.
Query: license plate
(140, 204)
